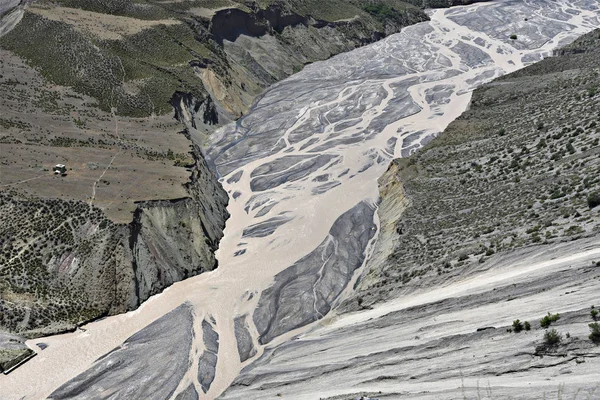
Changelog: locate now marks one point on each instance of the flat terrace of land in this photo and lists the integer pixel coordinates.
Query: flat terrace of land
(112, 161)
(103, 26)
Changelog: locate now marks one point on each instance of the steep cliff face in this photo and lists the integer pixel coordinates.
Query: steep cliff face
(64, 263)
(172, 240)
(192, 110)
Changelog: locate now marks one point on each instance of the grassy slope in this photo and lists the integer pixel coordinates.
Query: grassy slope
(157, 58)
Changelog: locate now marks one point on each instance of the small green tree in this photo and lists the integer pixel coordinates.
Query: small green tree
(549, 319)
(527, 326)
(595, 332)
(552, 338)
(517, 326)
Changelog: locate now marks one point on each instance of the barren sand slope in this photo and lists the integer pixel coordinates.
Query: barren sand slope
(302, 171)
(428, 346)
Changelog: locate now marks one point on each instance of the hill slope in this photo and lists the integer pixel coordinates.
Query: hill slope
(519, 168)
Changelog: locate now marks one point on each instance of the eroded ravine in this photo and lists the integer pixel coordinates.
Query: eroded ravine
(301, 170)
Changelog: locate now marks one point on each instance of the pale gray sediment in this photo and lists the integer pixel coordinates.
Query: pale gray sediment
(278, 165)
(188, 393)
(265, 228)
(465, 328)
(471, 55)
(296, 172)
(306, 291)
(207, 363)
(150, 364)
(245, 345)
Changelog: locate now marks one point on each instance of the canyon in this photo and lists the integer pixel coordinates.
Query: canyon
(310, 231)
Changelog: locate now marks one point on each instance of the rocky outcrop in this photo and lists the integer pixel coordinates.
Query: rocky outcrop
(171, 240)
(188, 109)
(229, 24)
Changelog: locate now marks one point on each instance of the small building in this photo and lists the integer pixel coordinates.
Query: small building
(60, 169)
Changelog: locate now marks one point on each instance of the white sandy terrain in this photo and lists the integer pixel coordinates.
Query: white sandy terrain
(390, 348)
(309, 152)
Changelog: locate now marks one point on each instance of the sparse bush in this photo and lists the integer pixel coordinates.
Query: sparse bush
(517, 326)
(381, 11)
(593, 200)
(552, 338)
(549, 319)
(595, 332)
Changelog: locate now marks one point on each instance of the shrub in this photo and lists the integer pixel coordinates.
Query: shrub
(517, 326)
(594, 314)
(527, 326)
(595, 332)
(549, 319)
(381, 11)
(552, 338)
(513, 37)
(593, 200)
